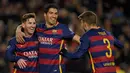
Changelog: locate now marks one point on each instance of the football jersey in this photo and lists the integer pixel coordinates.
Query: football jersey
(100, 45)
(51, 41)
(27, 51)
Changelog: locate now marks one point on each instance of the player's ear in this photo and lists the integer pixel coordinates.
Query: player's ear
(44, 14)
(23, 25)
(85, 24)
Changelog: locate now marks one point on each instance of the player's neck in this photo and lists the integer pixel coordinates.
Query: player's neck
(28, 35)
(93, 27)
(48, 25)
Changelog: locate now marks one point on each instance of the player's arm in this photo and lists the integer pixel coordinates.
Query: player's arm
(76, 38)
(10, 52)
(10, 55)
(69, 34)
(82, 49)
(20, 34)
(118, 44)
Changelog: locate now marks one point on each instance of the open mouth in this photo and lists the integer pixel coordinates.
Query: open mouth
(32, 29)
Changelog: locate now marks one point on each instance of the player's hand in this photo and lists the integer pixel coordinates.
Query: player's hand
(20, 35)
(22, 63)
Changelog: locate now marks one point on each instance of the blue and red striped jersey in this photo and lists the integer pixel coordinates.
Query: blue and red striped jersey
(101, 47)
(51, 42)
(27, 51)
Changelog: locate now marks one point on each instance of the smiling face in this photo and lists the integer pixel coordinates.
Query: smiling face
(29, 26)
(51, 16)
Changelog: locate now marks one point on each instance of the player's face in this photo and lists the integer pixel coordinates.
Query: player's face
(51, 16)
(84, 25)
(81, 23)
(29, 26)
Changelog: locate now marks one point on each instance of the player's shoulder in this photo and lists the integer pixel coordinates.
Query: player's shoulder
(13, 40)
(62, 25)
(85, 35)
(107, 32)
(41, 25)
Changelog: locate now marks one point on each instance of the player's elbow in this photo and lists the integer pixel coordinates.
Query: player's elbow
(8, 57)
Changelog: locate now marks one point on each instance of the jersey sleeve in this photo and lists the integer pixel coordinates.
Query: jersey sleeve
(67, 33)
(10, 52)
(82, 49)
(118, 44)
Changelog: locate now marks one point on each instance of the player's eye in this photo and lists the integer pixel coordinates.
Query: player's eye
(50, 12)
(34, 22)
(30, 22)
(56, 13)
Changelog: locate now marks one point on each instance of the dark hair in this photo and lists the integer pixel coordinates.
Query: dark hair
(88, 17)
(48, 6)
(27, 16)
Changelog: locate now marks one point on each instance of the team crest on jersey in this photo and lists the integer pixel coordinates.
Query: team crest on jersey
(21, 45)
(54, 31)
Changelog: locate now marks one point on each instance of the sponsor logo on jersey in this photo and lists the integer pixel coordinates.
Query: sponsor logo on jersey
(45, 40)
(54, 31)
(31, 54)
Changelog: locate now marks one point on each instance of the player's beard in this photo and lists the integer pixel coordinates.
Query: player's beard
(51, 22)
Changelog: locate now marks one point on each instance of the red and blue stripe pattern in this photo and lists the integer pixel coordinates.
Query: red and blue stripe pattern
(27, 51)
(100, 47)
(51, 42)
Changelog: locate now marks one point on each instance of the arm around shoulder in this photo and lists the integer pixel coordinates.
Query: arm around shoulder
(76, 38)
(20, 34)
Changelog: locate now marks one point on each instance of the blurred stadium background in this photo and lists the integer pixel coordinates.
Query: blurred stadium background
(114, 16)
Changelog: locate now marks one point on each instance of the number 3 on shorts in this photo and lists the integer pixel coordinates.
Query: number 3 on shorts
(106, 41)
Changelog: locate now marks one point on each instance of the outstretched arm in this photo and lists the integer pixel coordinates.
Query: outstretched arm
(82, 49)
(118, 44)
(76, 38)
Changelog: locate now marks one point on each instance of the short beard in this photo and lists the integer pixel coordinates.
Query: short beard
(53, 23)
